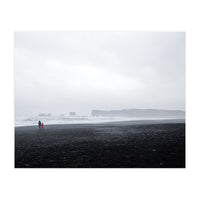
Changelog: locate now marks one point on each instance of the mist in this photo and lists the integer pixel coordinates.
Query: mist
(60, 72)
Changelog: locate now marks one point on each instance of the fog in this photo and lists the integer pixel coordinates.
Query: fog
(59, 72)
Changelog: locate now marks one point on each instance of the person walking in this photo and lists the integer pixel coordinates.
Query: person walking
(39, 124)
(42, 125)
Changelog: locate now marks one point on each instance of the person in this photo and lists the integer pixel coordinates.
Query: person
(42, 125)
(39, 124)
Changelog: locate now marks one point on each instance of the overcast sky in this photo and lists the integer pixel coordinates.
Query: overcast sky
(59, 72)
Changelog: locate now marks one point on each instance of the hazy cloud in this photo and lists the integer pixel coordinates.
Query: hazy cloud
(59, 72)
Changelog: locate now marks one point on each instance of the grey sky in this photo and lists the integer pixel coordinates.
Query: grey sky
(58, 72)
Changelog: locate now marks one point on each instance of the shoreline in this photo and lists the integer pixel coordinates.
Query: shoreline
(146, 121)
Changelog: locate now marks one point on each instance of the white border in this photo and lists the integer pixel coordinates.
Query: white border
(104, 15)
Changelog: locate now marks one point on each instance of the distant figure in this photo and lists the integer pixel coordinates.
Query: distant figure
(42, 125)
(39, 124)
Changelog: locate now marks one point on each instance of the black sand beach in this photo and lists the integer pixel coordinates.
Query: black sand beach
(141, 144)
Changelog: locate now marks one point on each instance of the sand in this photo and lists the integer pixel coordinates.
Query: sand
(141, 144)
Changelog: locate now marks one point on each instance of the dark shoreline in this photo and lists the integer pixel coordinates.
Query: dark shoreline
(131, 144)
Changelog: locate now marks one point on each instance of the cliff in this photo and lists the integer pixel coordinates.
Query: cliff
(140, 113)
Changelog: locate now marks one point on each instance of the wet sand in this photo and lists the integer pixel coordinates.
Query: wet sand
(141, 144)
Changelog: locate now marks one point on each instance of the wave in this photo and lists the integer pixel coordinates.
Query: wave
(33, 120)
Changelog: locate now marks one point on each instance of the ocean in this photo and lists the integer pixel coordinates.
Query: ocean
(32, 120)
